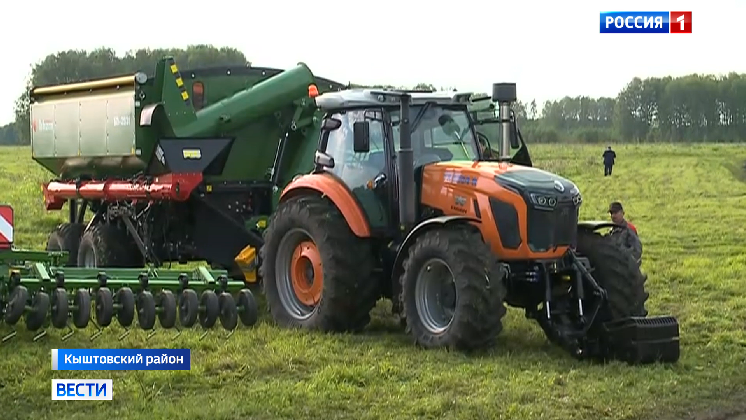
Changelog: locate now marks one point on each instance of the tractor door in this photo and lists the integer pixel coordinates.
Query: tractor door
(365, 174)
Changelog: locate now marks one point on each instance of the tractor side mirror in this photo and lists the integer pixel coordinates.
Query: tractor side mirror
(331, 124)
(361, 134)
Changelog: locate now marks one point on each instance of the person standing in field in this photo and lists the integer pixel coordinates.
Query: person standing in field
(625, 233)
(609, 157)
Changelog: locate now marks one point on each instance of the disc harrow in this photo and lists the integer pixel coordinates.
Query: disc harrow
(36, 289)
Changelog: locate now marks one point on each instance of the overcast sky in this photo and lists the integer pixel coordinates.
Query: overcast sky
(549, 48)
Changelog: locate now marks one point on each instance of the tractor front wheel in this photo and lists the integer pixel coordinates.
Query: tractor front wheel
(453, 290)
(316, 272)
(616, 271)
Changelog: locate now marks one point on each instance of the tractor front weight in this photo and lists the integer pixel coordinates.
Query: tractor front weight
(35, 287)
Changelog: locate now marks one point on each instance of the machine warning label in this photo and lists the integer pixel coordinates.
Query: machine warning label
(160, 155)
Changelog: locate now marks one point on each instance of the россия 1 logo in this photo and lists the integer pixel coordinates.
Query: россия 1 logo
(646, 22)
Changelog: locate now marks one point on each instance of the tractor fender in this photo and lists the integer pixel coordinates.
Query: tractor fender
(411, 237)
(329, 186)
(594, 225)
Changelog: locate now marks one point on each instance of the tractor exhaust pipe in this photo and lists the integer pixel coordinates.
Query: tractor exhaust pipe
(505, 95)
(406, 169)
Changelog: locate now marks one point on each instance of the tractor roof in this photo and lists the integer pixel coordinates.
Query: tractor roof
(354, 98)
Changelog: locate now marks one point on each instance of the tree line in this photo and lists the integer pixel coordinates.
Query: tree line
(694, 108)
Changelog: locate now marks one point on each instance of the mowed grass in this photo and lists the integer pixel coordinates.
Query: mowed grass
(689, 205)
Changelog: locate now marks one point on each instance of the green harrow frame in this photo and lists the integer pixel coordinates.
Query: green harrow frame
(35, 286)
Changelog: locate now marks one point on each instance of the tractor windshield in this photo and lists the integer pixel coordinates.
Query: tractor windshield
(439, 131)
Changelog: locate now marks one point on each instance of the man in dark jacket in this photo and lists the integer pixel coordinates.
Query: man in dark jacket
(609, 157)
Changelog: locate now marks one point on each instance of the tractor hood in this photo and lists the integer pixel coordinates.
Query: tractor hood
(534, 180)
(532, 183)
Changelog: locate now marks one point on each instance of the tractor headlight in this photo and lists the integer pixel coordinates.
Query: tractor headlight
(543, 201)
(577, 198)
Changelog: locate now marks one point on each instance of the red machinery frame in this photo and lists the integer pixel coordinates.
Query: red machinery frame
(175, 187)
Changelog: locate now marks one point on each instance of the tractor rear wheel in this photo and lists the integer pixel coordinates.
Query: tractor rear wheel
(616, 271)
(106, 245)
(66, 237)
(316, 272)
(453, 290)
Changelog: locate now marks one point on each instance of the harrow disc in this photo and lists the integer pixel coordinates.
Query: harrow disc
(38, 314)
(104, 307)
(60, 308)
(228, 311)
(188, 308)
(16, 305)
(210, 315)
(167, 315)
(249, 313)
(146, 310)
(82, 314)
(126, 302)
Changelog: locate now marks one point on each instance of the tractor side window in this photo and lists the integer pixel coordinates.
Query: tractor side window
(356, 169)
(198, 95)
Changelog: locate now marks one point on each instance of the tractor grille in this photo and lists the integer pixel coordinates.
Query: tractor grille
(550, 228)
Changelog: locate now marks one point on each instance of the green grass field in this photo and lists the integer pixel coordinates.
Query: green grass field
(689, 205)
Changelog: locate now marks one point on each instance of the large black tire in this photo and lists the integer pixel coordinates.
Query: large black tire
(478, 283)
(616, 271)
(66, 237)
(347, 291)
(106, 245)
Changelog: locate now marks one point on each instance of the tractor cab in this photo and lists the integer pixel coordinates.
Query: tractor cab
(361, 143)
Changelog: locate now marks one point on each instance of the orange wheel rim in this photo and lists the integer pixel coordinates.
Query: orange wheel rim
(306, 273)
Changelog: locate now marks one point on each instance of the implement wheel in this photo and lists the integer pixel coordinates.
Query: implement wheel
(82, 315)
(452, 290)
(60, 308)
(146, 310)
(104, 307)
(39, 309)
(16, 305)
(188, 308)
(228, 311)
(316, 272)
(250, 312)
(126, 311)
(167, 303)
(209, 316)
(66, 237)
(107, 245)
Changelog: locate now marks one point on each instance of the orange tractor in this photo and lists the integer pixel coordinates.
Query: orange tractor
(403, 205)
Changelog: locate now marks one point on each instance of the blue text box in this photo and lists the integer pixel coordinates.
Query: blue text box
(121, 359)
(635, 22)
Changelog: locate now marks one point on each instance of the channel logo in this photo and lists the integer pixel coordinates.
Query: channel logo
(81, 389)
(646, 22)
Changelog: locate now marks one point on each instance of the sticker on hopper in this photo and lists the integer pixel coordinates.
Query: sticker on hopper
(42, 125)
(191, 154)
(122, 120)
